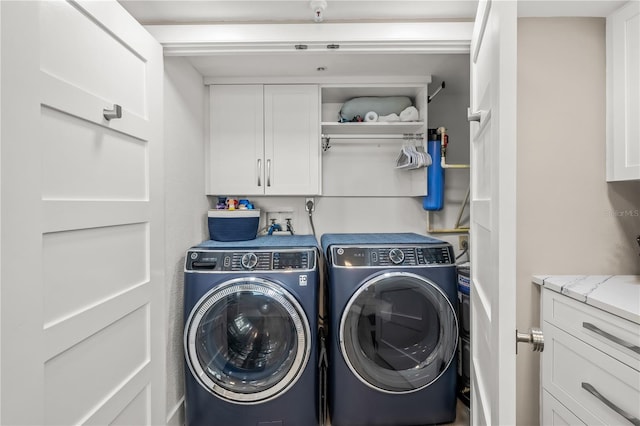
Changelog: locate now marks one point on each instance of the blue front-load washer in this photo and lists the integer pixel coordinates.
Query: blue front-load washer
(250, 336)
(393, 329)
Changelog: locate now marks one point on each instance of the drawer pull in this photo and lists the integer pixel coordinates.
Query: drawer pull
(589, 388)
(268, 172)
(611, 337)
(259, 171)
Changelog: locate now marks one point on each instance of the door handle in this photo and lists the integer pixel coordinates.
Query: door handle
(259, 172)
(534, 336)
(473, 116)
(269, 172)
(115, 112)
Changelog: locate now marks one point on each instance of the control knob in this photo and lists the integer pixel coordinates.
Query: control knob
(249, 260)
(396, 256)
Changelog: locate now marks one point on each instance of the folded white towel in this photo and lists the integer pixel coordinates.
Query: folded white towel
(390, 117)
(371, 116)
(409, 114)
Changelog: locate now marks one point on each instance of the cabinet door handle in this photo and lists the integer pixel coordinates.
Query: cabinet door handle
(259, 172)
(589, 388)
(611, 337)
(269, 172)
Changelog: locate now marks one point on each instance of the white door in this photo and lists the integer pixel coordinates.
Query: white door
(493, 214)
(82, 216)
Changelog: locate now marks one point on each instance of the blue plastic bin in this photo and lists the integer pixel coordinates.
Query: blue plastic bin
(233, 225)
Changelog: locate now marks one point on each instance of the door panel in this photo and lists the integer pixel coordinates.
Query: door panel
(492, 235)
(85, 161)
(80, 270)
(96, 62)
(89, 163)
(67, 393)
(83, 198)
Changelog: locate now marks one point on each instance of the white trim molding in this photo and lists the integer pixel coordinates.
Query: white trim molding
(408, 37)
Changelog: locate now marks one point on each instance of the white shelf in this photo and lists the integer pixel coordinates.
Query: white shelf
(329, 128)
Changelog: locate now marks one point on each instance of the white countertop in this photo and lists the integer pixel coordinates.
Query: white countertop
(616, 294)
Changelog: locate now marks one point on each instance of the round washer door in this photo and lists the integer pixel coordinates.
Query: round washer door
(247, 340)
(398, 333)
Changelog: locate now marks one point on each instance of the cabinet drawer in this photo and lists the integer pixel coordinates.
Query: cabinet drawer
(569, 366)
(605, 331)
(556, 414)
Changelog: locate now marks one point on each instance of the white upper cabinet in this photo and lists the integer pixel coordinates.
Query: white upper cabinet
(623, 93)
(264, 140)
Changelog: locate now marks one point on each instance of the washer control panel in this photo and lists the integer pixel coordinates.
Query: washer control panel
(250, 260)
(402, 255)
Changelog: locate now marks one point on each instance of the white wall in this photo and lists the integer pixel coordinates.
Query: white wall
(570, 221)
(186, 205)
(351, 214)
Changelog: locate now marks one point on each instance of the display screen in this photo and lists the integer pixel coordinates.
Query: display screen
(352, 256)
(436, 255)
(291, 260)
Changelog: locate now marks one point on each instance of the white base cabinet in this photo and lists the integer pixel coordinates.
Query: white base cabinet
(556, 414)
(589, 376)
(264, 140)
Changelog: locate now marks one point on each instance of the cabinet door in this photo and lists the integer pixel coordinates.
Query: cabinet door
(623, 87)
(292, 139)
(236, 163)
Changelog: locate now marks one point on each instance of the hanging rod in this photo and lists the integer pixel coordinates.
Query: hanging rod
(406, 136)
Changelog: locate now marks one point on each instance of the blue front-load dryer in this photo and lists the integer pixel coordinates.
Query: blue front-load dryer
(250, 336)
(393, 329)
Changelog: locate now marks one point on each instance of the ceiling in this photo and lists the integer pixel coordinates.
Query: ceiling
(452, 68)
(210, 11)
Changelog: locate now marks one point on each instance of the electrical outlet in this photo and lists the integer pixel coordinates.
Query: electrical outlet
(463, 242)
(309, 207)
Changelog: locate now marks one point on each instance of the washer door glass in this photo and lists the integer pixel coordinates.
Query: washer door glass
(247, 340)
(399, 332)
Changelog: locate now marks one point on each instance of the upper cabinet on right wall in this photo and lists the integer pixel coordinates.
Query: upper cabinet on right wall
(623, 93)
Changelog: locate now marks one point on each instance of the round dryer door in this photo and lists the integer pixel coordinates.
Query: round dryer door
(398, 332)
(247, 340)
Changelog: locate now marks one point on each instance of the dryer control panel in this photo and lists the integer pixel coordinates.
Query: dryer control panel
(203, 260)
(390, 256)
